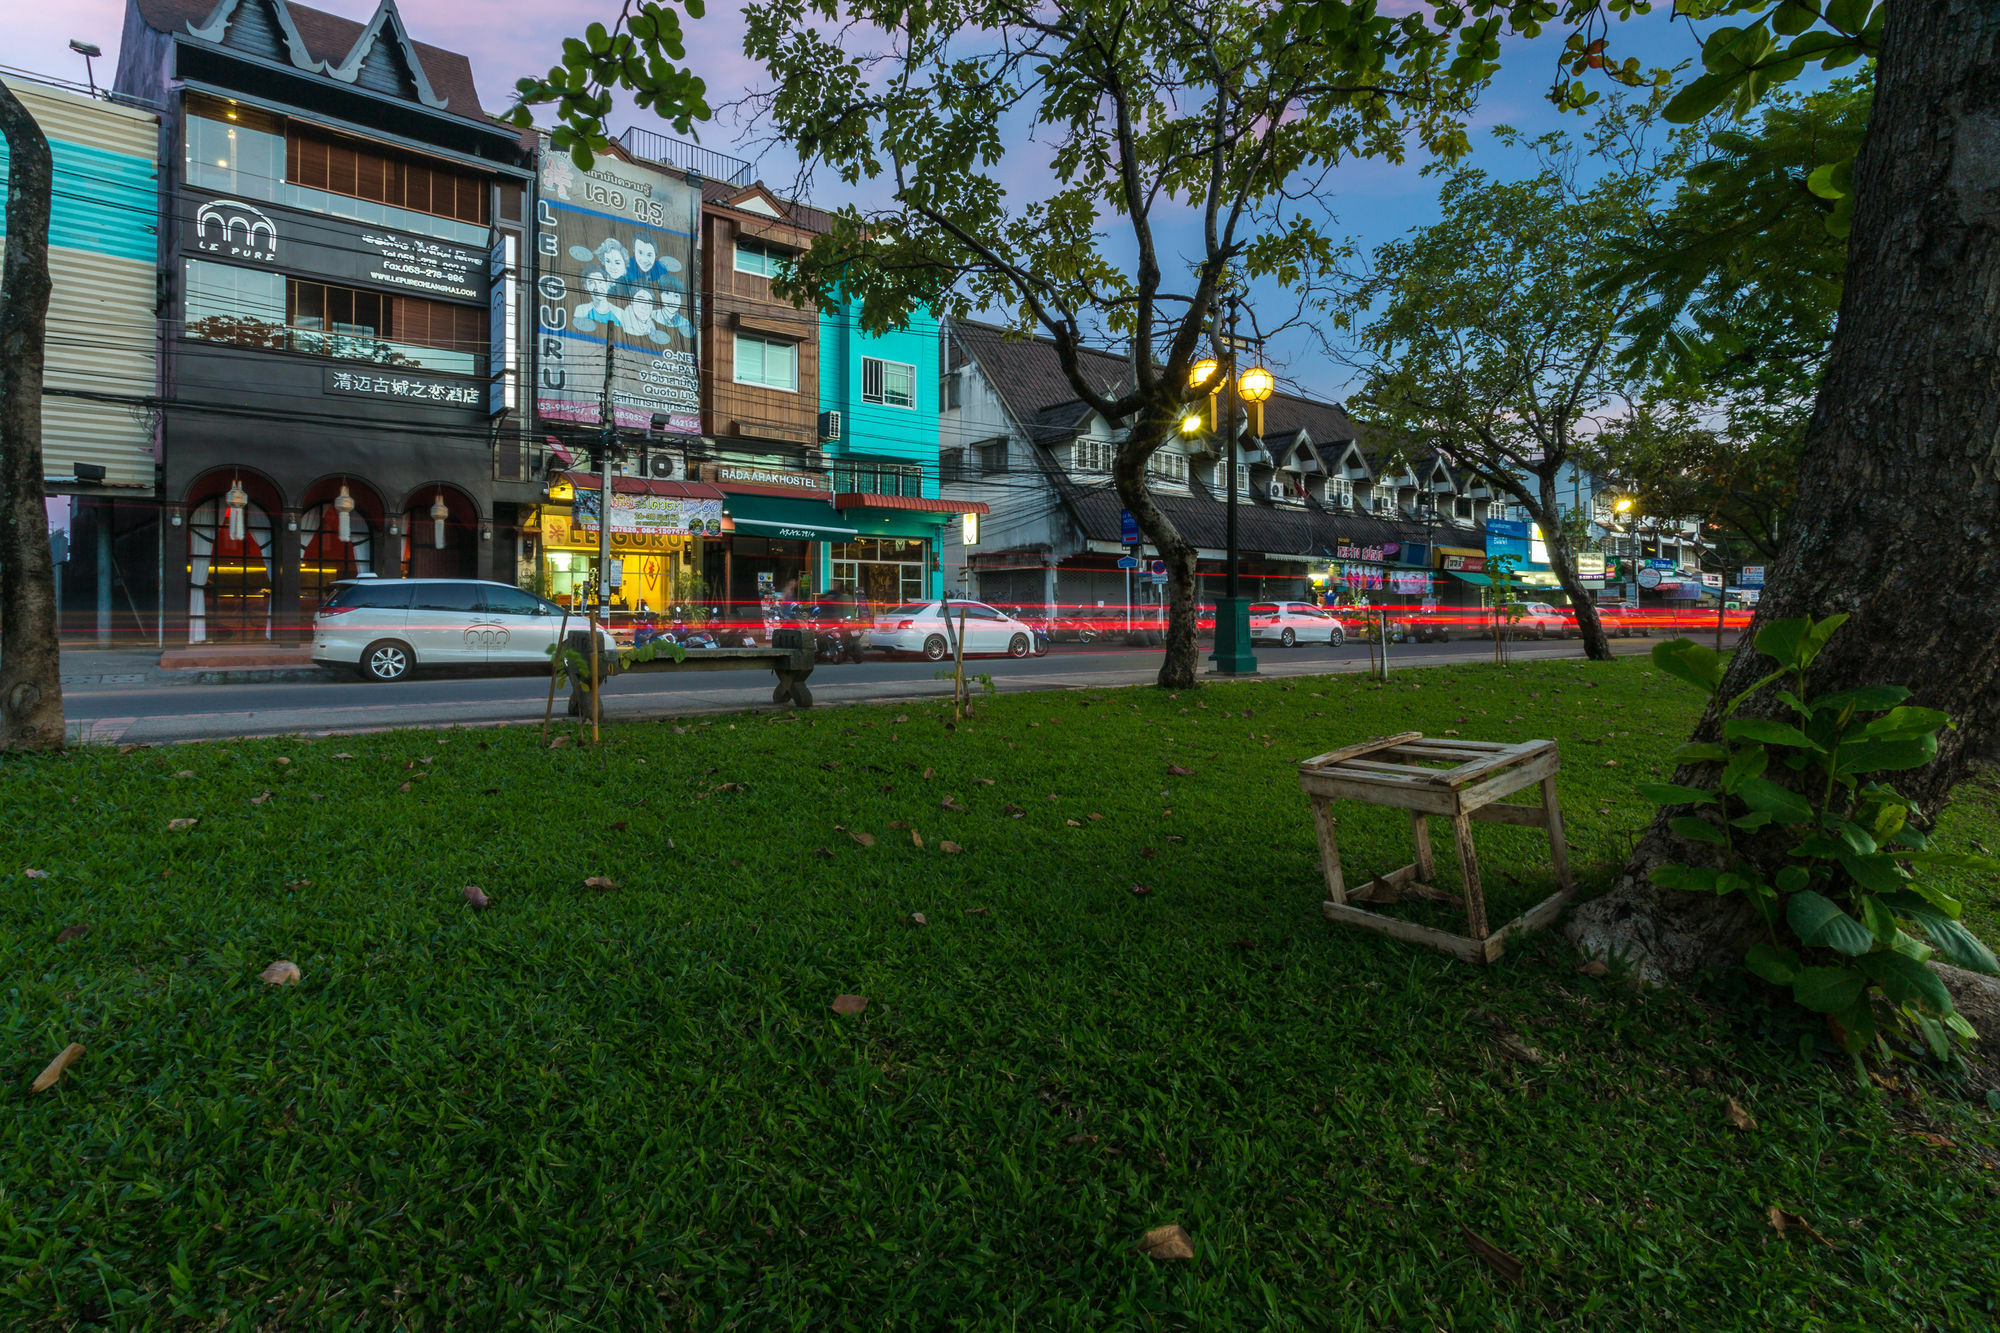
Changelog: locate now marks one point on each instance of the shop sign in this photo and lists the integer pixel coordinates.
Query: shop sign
(1362, 576)
(1465, 564)
(1589, 565)
(402, 388)
(1711, 580)
(1410, 583)
(1649, 577)
(1507, 536)
(1374, 554)
(1654, 563)
(651, 514)
(738, 474)
(1753, 576)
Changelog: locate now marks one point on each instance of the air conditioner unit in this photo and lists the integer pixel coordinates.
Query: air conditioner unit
(666, 465)
(829, 425)
(1275, 489)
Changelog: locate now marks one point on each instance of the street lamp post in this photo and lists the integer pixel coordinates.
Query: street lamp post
(1232, 655)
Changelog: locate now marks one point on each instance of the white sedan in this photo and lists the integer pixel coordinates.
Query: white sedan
(921, 627)
(1294, 622)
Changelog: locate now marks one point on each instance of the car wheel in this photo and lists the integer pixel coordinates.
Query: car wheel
(386, 660)
(1017, 646)
(1287, 638)
(1336, 639)
(935, 648)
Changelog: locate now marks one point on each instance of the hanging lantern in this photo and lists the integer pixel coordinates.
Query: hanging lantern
(438, 515)
(343, 505)
(238, 500)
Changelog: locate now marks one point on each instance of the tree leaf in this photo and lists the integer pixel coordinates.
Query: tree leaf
(1773, 962)
(1825, 990)
(1959, 945)
(1687, 660)
(53, 1071)
(1668, 793)
(1883, 756)
(1865, 699)
(1906, 981)
(1781, 803)
(1701, 752)
(1767, 731)
(1695, 829)
(849, 1004)
(1818, 921)
(1779, 640)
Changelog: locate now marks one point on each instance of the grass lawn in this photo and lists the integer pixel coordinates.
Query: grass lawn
(632, 1107)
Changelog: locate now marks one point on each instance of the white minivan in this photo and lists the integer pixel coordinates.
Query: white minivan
(385, 628)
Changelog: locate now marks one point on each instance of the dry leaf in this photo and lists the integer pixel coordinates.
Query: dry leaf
(68, 933)
(1095, 816)
(1180, 772)
(984, 782)
(916, 838)
(902, 717)
(1167, 1242)
(36, 874)
(1141, 890)
(1611, 763)
(899, 823)
(1935, 1140)
(1739, 1117)
(280, 973)
(299, 884)
(1785, 1223)
(618, 827)
(185, 773)
(1013, 811)
(827, 852)
(865, 839)
(1146, 853)
(831, 763)
(1081, 1140)
(601, 882)
(343, 755)
(1521, 1051)
(54, 1069)
(1495, 1258)
(558, 742)
(974, 911)
(1073, 823)
(949, 847)
(1175, 837)
(409, 764)
(849, 1004)
(182, 823)
(127, 748)
(259, 800)
(951, 804)
(476, 896)
(1594, 968)
(281, 761)
(930, 773)
(919, 919)
(403, 786)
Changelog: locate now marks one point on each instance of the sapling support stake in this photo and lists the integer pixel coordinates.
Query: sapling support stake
(555, 669)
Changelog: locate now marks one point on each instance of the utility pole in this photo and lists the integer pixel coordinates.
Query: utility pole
(606, 435)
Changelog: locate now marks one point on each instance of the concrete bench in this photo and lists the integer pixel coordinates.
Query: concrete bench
(790, 658)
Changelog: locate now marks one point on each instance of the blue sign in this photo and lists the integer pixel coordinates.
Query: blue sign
(1659, 564)
(1753, 576)
(1128, 562)
(1128, 529)
(1507, 536)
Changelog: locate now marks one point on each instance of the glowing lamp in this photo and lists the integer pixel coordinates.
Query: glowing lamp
(1256, 384)
(237, 500)
(1201, 372)
(1192, 423)
(343, 505)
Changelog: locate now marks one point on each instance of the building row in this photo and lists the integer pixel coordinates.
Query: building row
(316, 314)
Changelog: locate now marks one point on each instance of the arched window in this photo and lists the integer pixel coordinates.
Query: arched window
(229, 578)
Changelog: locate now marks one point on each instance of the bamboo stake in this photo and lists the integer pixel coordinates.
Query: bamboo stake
(958, 679)
(596, 705)
(555, 668)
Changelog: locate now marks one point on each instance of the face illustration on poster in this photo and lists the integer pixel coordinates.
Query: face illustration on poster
(598, 310)
(636, 291)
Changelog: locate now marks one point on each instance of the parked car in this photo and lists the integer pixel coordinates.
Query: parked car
(387, 628)
(1621, 620)
(1290, 623)
(1426, 624)
(1537, 620)
(919, 627)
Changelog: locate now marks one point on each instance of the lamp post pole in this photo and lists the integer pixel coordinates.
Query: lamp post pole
(1232, 656)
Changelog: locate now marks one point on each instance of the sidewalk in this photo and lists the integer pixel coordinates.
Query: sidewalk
(195, 664)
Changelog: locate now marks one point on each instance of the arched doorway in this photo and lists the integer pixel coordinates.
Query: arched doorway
(230, 576)
(325, 554)
(440, 535)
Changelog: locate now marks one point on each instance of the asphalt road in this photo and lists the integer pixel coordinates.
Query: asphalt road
(143, 713)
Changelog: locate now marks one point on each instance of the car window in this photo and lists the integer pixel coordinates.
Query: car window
(512, 602)
(908, 609)
(387, 594)
(446, 597)
(975, 610)
(1264, 609)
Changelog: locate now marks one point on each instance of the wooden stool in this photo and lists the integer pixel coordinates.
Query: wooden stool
(1469, 784)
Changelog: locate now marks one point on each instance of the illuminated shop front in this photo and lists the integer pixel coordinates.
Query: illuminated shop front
(661, 535)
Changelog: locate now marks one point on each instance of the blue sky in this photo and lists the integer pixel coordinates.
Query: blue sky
(1376, 201)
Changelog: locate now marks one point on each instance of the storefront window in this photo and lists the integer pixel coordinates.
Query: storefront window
(883, 570)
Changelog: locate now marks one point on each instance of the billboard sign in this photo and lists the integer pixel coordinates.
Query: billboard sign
(615, 270)
(1753, 576)
(1589, 565)
(647, 513)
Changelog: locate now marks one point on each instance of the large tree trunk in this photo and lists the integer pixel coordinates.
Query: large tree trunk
(1562, 559)
(1180, 667)
(31, 716)
(1898, 514)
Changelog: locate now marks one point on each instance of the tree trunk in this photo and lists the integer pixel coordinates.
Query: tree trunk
(31, 716)
(1899, 485)
(1562, 560)
(1180, 667)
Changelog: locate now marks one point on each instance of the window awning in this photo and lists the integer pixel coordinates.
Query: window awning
(786, 519)
(1476, 580)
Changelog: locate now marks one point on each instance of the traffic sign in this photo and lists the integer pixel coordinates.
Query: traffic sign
(1128, 562)
(1128, 528)
(1158, 569)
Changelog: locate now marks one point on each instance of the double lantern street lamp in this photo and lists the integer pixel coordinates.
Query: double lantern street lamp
(1252, 386)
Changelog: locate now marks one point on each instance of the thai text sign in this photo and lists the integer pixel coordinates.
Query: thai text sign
(649, 513)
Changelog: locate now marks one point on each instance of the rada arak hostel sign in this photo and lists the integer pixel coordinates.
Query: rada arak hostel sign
(615, 278)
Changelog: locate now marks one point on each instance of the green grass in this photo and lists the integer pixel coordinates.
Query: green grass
(632, 1108)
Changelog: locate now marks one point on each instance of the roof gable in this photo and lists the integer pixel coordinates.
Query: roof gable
(259, 28)
(384, 60)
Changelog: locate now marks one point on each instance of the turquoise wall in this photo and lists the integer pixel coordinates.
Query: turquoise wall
(107, 203)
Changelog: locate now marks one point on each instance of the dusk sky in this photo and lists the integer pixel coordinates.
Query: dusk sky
(508, 38)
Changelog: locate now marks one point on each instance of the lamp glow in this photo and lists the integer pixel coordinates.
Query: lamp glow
(1192, 423)
(1256, 384)
(1624, 505)
(343, 505)
(1201, 372)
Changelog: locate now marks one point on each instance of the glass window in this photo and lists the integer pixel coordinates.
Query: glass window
(447, 597)
(767, 363)
(890, 383)
(383, 594)
(512, 602)
(761, 261)
(228, 304)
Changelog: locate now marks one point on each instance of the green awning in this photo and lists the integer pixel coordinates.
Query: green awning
(786, 518)
(1476, 580)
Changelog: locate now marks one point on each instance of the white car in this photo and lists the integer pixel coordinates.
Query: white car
(1294, 622)
(386, 628)
(919, 627)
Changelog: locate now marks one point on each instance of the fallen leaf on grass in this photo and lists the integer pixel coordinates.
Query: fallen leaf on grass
(558, 742)
(950, 847)
(1180, 772)
(476, 896)
(974, 911)
(916, 838)
(298, 884)
(1167, 1242)
(1611, 763)
(827, 852)
(930, 773)
(1520, 1050)
(343, 755)
(1596, 967)
(1094, 816)
(902, 717)
(1141, 890)
(128, 748)
(185, 773)
(1934, 1140)
(54, 1069)
(182, 823)
(951, 804)
(865, 839)
(68, 933)
(281, 761)
(617, 826)
(831, 763)
(849, 1004)
(918, 919)
(1785, 1223)
(601, 882)
(1073, 823)
(1175, 837)
(280, 973)
(984, 782)
(1013, 812)
(404, 786)
(1495, 1258)
(1739, 1117)
(259, 800)
(1146, 853)
(36, 874)
(1081, 1140)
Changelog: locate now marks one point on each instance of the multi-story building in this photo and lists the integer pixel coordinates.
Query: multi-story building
(99, 445)
(1319, 513)
(341, 225)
